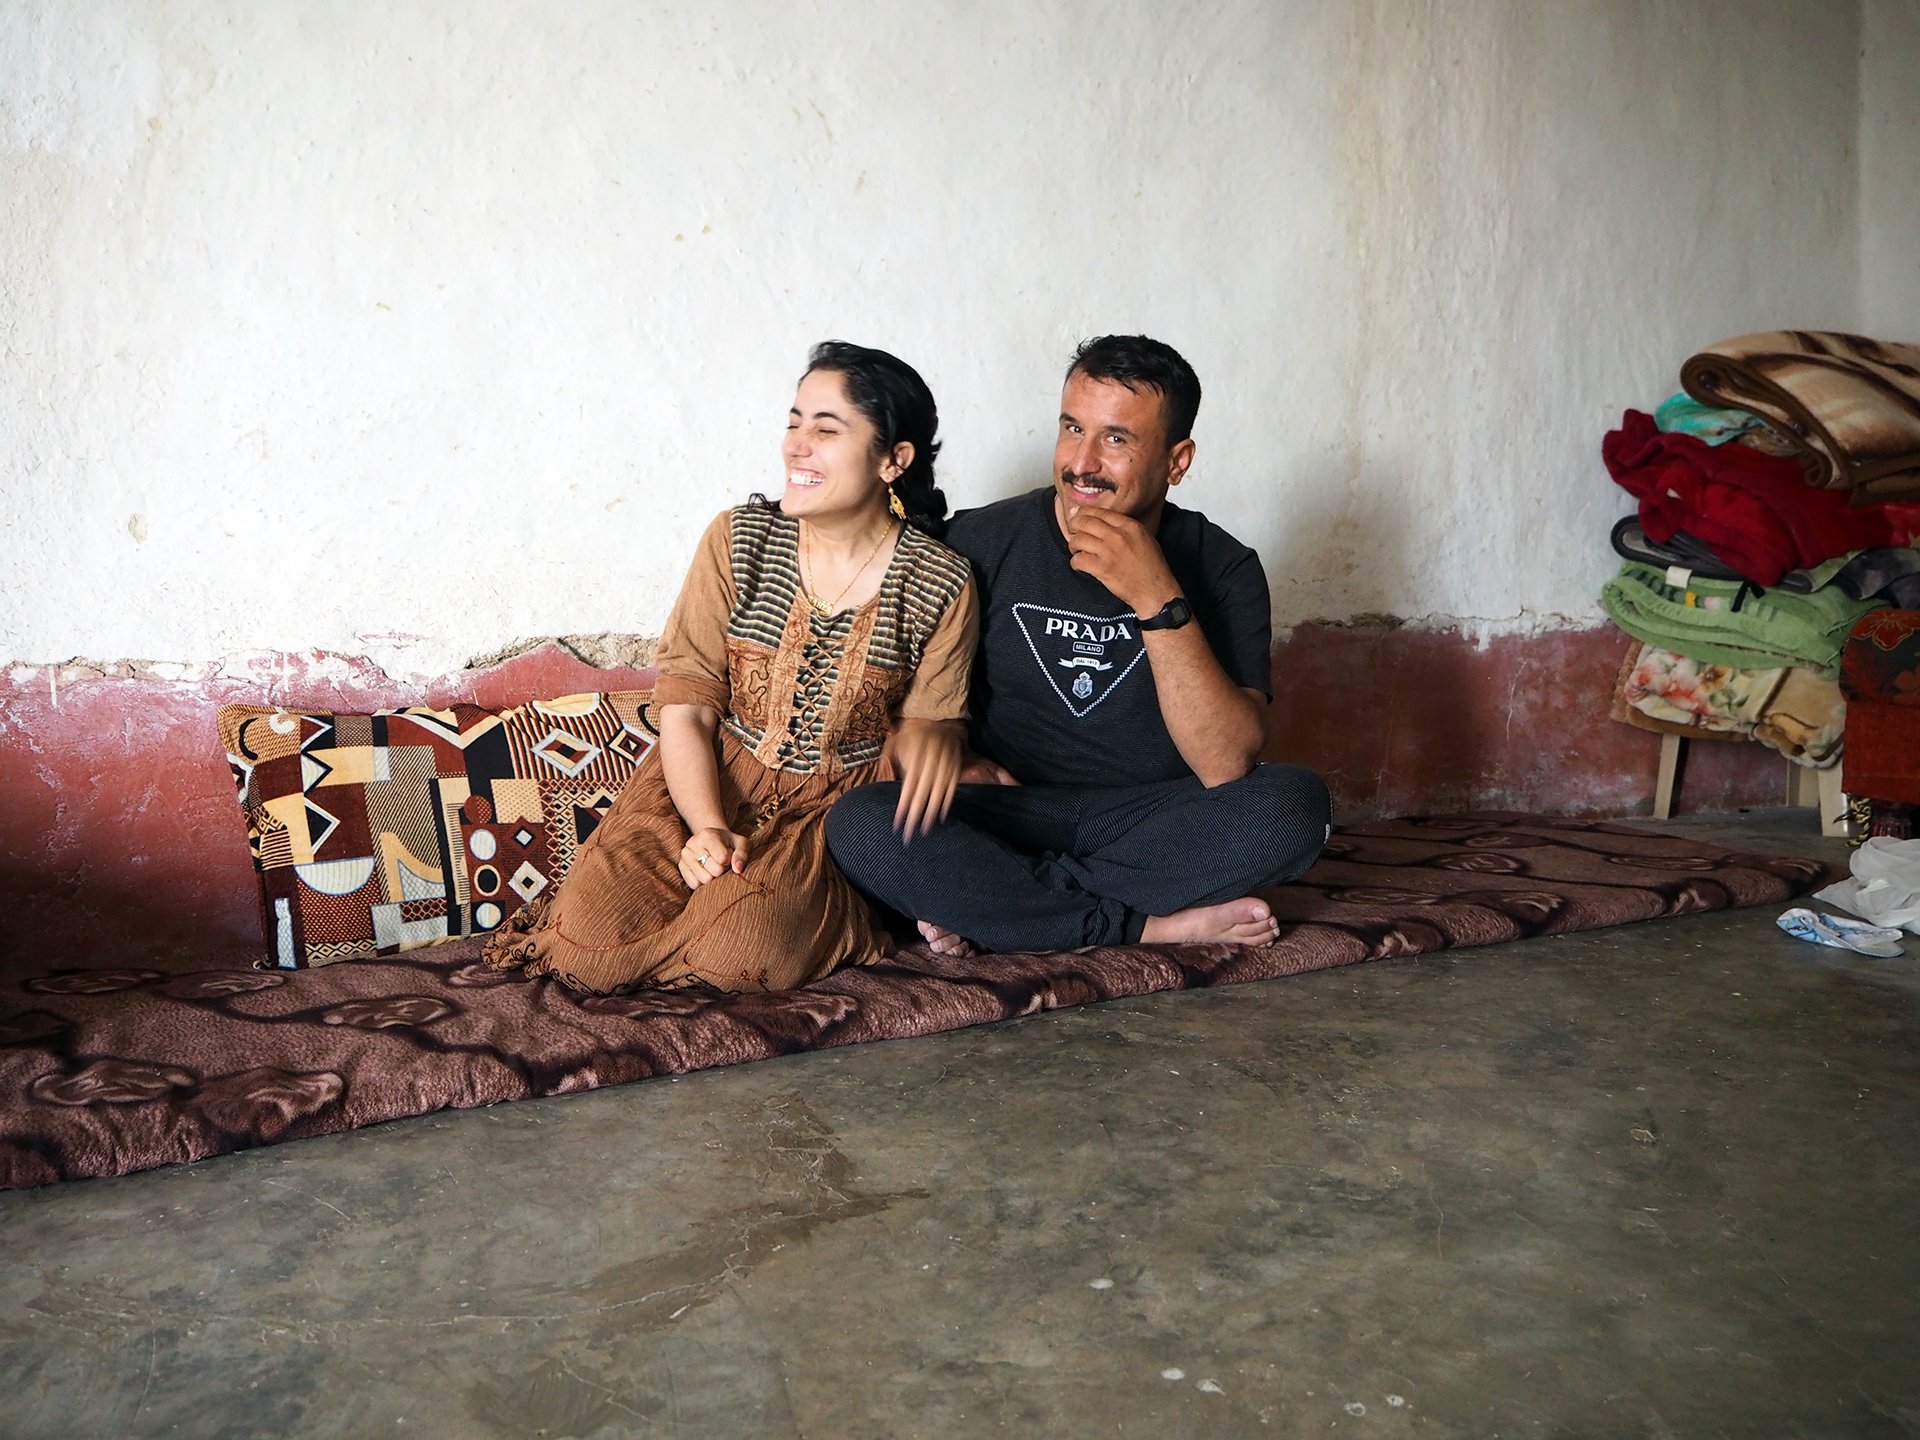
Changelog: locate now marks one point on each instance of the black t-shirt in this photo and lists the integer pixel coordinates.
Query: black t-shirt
(1063, 691)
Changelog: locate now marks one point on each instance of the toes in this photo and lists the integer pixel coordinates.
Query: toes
(1260, 932)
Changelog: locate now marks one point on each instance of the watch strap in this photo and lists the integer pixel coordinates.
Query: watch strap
(1170, 616)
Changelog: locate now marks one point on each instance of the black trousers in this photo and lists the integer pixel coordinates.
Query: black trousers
(1054, 867)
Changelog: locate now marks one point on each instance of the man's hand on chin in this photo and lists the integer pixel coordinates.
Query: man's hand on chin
(1123, 555)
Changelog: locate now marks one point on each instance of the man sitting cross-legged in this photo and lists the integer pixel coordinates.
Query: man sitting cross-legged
(1117, 705)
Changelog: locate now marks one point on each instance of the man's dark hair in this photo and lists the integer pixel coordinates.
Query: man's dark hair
(1137, 360)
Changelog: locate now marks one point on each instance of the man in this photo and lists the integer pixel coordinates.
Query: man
(1118, 700)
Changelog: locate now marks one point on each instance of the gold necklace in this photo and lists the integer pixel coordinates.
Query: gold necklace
(806, 571)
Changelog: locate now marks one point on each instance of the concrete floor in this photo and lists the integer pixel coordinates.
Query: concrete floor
(1656, 1181)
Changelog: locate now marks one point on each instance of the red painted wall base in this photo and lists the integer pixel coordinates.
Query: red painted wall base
(1407, 721)
(120, 834)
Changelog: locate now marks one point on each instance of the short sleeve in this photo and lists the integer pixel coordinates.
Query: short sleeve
(939, 688)
(1239, 623)
(692, 658)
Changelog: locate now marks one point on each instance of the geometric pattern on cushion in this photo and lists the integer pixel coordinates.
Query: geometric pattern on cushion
(374, 834)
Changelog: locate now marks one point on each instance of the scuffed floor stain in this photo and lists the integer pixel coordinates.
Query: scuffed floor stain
(553, 1402)
(802, 1158)
(798, 1160)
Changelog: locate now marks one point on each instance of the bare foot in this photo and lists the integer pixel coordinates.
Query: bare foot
(1237, 922)
(944, 942)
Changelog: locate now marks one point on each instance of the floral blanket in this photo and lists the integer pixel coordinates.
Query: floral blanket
(1794, 711)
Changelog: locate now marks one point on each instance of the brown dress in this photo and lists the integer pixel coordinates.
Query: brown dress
(806, 702)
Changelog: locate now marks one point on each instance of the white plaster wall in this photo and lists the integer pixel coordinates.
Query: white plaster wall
(411, 329)
(1890, 170)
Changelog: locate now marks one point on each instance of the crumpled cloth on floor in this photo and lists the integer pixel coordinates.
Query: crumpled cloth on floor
(1884, 886)
(1852, 403)
(1869, 819)
(1842, 933)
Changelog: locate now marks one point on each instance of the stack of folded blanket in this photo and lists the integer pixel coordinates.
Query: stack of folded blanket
(1779, 500)
(1848, 407)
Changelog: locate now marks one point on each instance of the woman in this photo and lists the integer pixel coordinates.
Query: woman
(806, 640)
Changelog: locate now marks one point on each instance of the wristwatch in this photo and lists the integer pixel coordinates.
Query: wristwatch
(1170, 616)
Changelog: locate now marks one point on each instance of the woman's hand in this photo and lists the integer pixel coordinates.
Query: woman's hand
(711, 853)
(691, 766)
(927, 754)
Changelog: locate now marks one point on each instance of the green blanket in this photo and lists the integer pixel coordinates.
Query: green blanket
(1731, 623)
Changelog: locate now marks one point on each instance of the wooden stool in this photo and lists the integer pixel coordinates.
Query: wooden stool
(1813, 789)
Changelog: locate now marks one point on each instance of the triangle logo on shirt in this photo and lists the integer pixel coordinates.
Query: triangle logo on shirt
(1083, 656)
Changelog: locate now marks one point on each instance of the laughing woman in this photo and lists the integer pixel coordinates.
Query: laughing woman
(807, 639)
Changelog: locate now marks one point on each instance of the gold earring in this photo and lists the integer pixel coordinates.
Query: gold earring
(893, 503)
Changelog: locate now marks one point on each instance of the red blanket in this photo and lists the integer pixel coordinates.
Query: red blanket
(1755, 511)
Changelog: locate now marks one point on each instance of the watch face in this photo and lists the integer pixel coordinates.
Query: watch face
(1171, 616)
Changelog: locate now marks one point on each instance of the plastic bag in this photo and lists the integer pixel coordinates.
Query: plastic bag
(1885, 885)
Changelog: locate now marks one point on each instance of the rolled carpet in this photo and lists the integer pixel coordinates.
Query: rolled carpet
(1851, 403)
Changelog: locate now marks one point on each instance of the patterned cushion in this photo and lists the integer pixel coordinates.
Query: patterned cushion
(1882, 658)
(379, 833)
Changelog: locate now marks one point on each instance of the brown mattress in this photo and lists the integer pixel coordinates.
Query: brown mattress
(108, 1069)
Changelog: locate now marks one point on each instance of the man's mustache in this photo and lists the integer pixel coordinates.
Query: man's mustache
(1067, 477)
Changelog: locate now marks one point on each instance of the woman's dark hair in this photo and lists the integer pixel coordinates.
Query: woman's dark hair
(893, 397)
(1136, 360)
